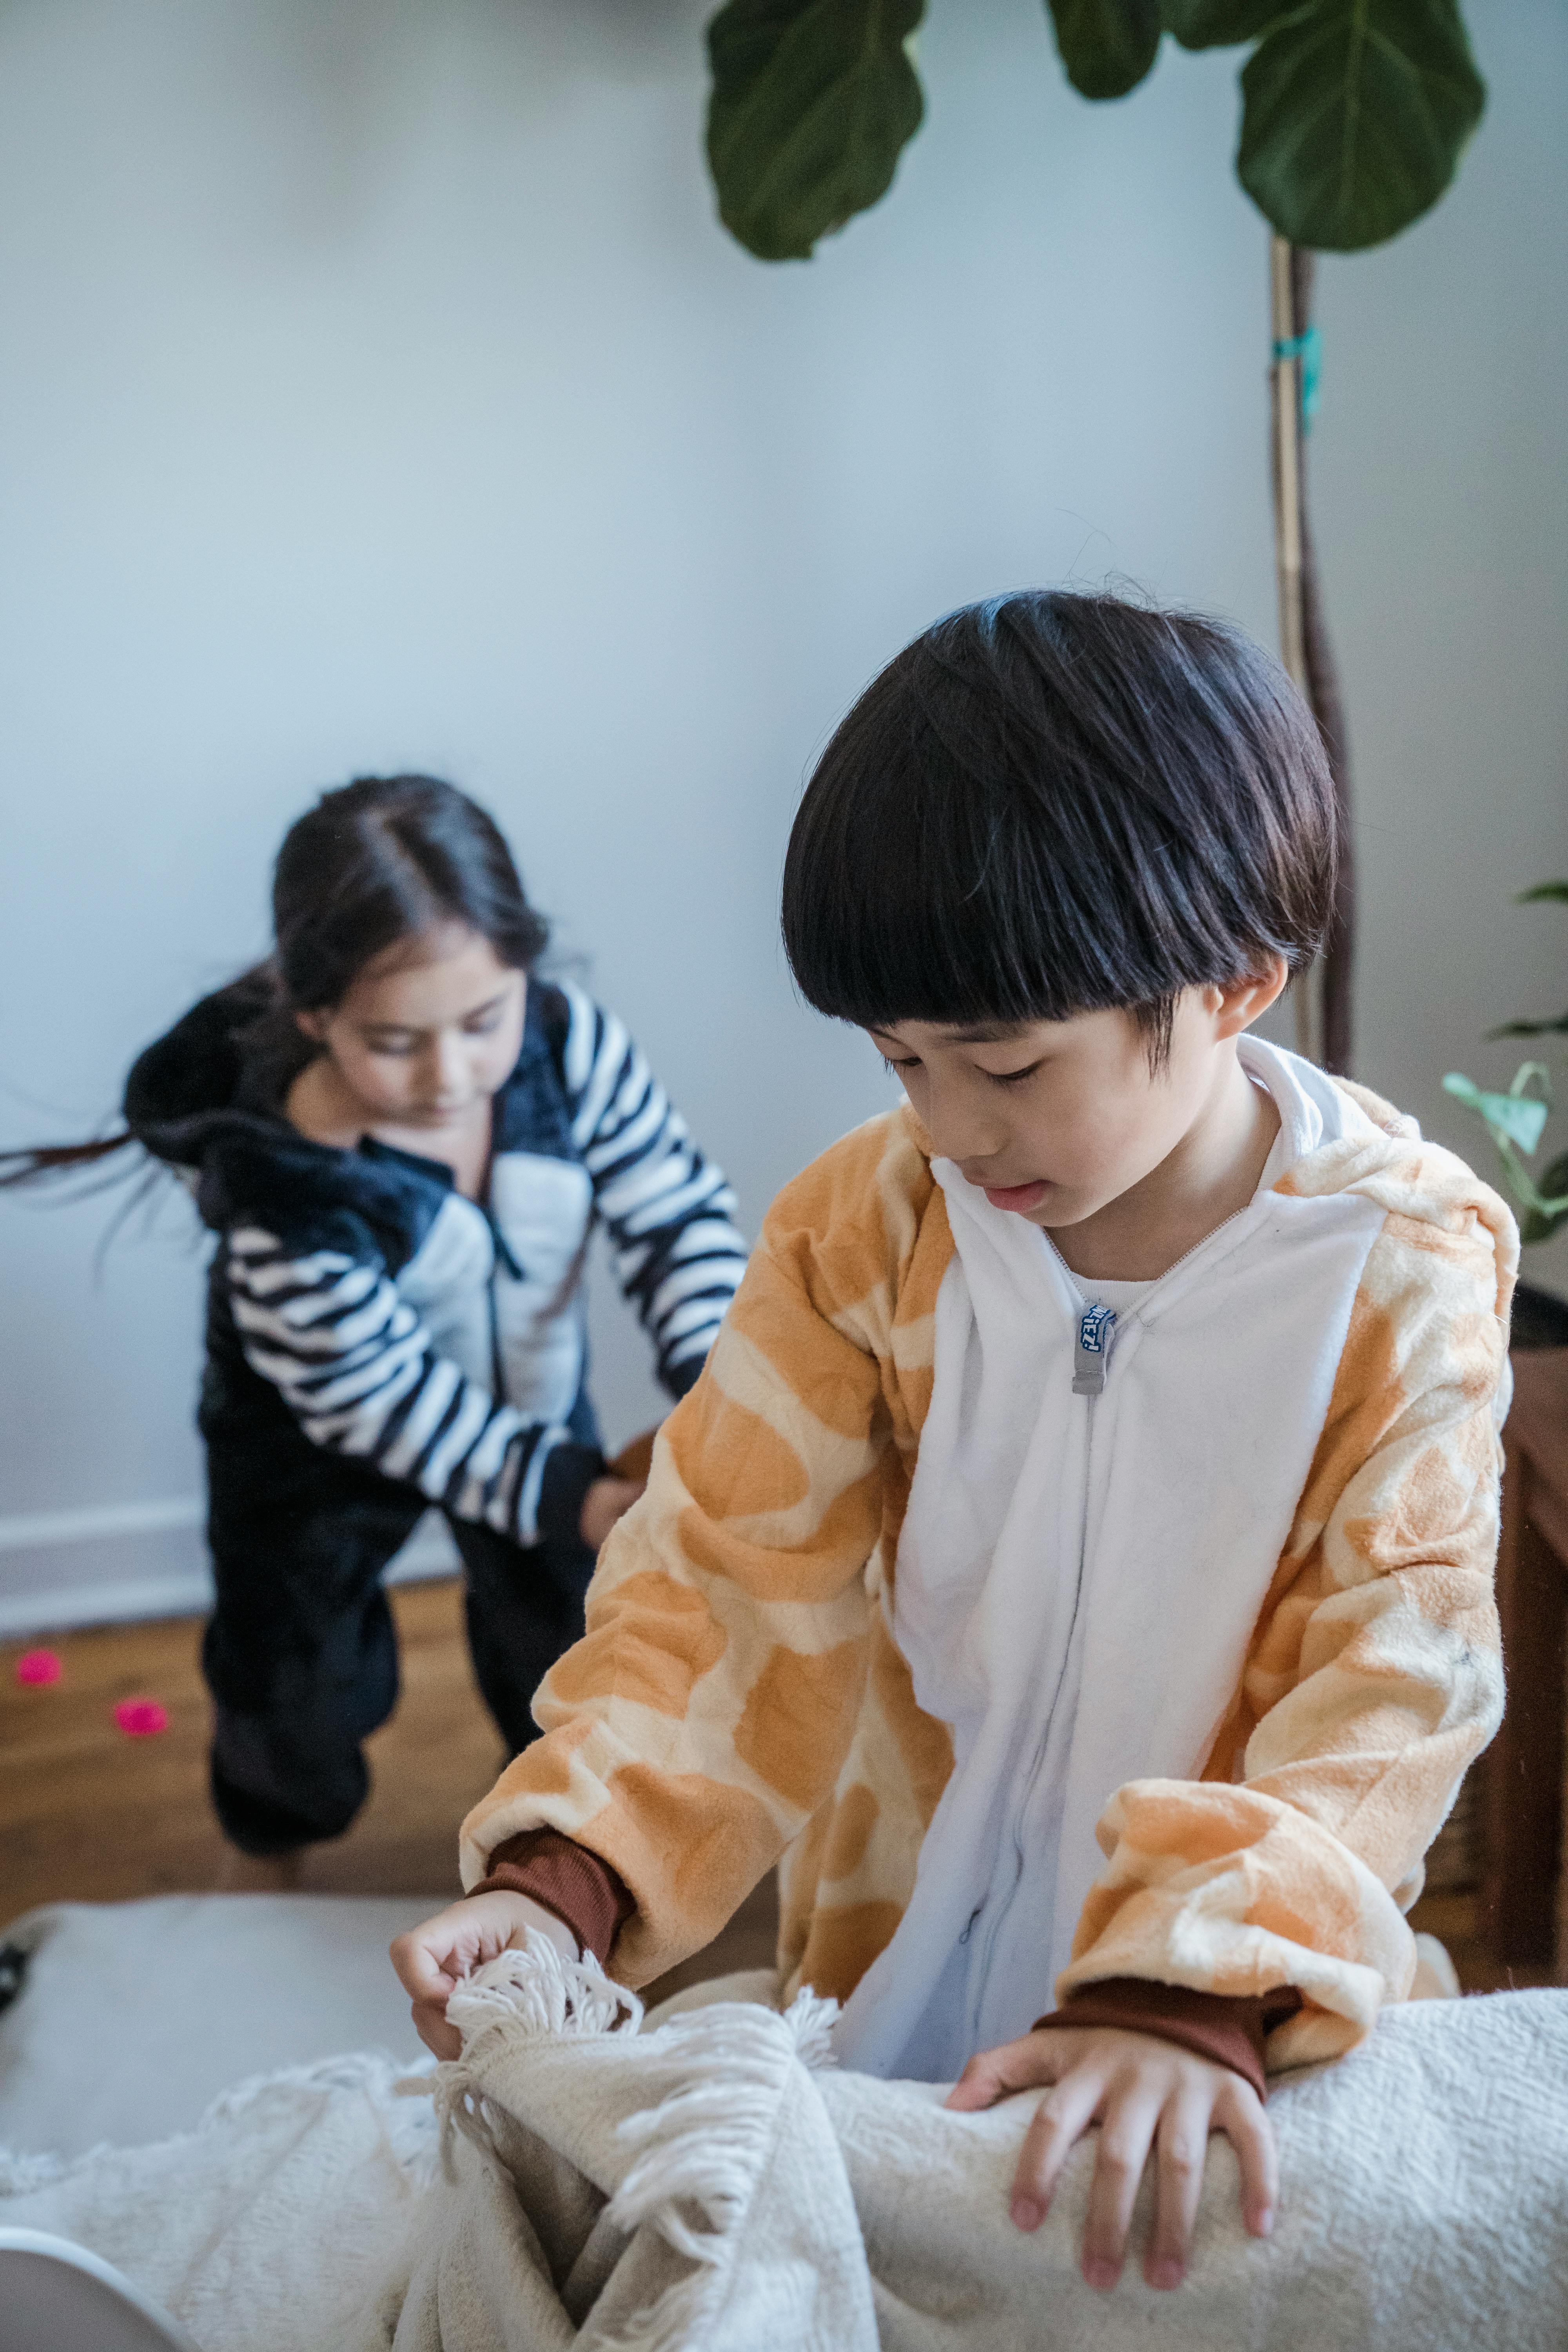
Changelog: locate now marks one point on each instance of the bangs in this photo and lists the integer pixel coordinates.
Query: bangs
(1053, 805)
(906, 900)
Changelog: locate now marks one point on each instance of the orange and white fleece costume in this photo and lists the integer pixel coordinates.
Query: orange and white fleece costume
(1172, 1682)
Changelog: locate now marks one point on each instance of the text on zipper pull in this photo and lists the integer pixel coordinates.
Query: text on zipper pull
(1095, 1327)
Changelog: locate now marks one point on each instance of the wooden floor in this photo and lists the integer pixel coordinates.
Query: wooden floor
(86, 1813)
(89, 1814)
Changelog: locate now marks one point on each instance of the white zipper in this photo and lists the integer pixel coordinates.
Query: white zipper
(1094, 1338)
(1081, 1282)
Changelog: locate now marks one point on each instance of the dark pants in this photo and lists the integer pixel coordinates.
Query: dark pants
(301, 1655)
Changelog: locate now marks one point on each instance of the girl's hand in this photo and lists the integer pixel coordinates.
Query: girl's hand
(1143, 2092)
(607, 1500)
(433, 1958)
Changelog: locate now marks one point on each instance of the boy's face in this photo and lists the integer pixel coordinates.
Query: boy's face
(1054, 1119)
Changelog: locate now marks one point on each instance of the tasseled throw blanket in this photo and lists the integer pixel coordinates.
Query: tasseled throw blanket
(711, 2184)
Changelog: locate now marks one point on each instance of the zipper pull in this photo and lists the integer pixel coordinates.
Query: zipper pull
(1096, 1328)
(502, 1248)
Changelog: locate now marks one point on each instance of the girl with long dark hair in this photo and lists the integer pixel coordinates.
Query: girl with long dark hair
(402, 1137)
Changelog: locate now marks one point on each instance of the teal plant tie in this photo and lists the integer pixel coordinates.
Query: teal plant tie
(1309, 349)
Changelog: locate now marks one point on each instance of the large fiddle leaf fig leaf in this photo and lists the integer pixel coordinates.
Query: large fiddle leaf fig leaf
(1107, 45)
(1355, 116)
(813, 102)
(1216, 24)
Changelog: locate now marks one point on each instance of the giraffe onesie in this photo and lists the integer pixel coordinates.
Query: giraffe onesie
(1192, 1718)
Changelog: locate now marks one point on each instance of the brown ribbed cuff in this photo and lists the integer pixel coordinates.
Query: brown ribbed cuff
(583, 1893)
(1229, 2030)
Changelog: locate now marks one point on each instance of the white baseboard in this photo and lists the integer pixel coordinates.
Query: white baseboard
(112, 1600)
(120, 1562)
(45, 1531)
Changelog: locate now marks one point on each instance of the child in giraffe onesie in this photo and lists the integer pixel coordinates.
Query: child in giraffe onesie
(1073, 1566)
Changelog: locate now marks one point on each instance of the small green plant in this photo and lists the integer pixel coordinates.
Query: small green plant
(1517, 1120)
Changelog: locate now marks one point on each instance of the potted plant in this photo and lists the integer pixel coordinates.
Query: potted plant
(1354, 114)
(1517, 1121)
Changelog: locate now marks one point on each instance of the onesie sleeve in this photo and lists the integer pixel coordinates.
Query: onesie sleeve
(1373, 1679)
(583, 1891)
(359, 1371)
(704, 1717)
(669, 1210)
(1230, 2030)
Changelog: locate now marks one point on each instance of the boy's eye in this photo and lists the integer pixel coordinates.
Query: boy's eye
(483, 1025)
(891, 1062)
(1014, 1077)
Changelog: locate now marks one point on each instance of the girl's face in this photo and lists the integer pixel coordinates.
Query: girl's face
(1054, 1119)
(428, 1029)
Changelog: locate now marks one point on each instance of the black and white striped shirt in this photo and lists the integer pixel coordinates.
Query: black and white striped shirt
(441, 1340)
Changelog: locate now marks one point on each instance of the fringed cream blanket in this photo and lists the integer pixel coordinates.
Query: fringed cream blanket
(711, 2184)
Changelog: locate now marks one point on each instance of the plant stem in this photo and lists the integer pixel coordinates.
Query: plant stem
(1324, 991)
(1286, 382)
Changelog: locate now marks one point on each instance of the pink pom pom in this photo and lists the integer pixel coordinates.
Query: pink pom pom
(140, 1718)
(37, 1666)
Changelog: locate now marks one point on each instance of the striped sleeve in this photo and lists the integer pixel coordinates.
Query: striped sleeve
(358, 1370)
(668, 1211)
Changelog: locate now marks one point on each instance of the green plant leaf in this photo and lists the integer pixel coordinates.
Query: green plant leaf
(813, 101)
(1354, 115)
(1518, 1117)
(1541, 890)
(1219, 24)
(1107, 45)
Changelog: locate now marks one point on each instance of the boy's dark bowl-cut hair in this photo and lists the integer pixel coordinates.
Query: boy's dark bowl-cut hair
(1053, 803)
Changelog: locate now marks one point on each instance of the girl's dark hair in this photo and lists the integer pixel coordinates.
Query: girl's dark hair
(379, 860)
(1053, 803)
(383, 859)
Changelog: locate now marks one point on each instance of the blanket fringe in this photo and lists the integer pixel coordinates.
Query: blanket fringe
(811, 2017)
(704, 2149)
(531, 1989)
(535, 1987)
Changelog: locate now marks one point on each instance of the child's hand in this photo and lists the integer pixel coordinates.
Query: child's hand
(607, 1500)
(1143, 2092)
(433, 1958)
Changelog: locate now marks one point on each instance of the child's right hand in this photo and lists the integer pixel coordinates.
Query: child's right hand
(433, 1958)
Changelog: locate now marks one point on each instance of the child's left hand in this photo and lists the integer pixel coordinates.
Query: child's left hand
(1143, 2092)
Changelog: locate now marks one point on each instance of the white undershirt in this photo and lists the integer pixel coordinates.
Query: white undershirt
(1097, 1292)
(1123, 1296)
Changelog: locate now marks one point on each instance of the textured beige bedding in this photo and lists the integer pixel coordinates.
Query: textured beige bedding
(708, 2184)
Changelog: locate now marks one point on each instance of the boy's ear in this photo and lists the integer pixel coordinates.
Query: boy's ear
(312, 1025)
(1243, 1001)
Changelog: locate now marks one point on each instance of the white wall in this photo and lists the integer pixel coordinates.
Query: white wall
(376, 389)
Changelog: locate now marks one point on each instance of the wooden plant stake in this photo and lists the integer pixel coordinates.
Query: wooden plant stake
(1323, 992)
